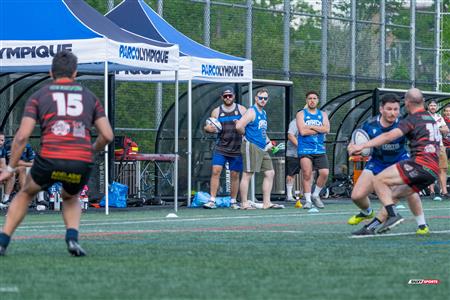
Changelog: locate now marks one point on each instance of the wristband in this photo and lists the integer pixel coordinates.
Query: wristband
(10, 169)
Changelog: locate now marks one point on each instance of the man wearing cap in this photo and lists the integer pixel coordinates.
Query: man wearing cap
(228, 145)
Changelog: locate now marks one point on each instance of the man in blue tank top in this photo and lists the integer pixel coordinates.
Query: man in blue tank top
(312, 125)
(228, 146)
(256, 143)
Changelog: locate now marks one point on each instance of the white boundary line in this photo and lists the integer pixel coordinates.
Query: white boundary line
(396, 234)
(199, 219)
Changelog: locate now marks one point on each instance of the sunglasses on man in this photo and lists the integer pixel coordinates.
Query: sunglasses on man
(261, 98)
(227, 96)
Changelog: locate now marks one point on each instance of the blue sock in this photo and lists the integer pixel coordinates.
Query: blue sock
(72, 234)
(367, 211)
(4, 239)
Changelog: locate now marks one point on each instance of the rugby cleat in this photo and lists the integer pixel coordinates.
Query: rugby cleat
(307, 205)
(2, 251)
(423, 230)
(364, 231)
(356, 219)
(317, 202)
(390, 223)
(75, 249)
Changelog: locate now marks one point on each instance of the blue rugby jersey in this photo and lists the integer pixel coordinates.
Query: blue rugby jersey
(389, 153)
(28, 153)
(312, 144)
(256, 130)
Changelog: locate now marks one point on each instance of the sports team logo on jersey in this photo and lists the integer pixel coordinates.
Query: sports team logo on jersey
(79, 130)
(413, 174)
(408, 167)
(60, 128)
(313, 123)
(262, 124)
(430, 149)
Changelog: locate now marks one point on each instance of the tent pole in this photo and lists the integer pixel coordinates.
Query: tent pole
(106, 146)
(250, 103)
(189, 154)
(175, 175)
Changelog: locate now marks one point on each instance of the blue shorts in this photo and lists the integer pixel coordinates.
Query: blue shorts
(234, 162)
(377, 166)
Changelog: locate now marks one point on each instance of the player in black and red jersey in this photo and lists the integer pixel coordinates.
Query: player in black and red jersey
(412, 175)
(66, 111)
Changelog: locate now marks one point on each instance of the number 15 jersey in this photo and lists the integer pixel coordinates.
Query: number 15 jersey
(66, 111)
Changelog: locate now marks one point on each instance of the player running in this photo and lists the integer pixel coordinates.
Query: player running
(66, 111)
(408, 176)
(381, 158)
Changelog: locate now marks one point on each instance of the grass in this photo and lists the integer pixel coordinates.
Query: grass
(227, 254)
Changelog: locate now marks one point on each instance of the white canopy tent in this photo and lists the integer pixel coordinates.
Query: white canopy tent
(198, 63)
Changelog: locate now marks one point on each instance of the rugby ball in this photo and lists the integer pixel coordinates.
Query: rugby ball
(359, 137)
(215, 123)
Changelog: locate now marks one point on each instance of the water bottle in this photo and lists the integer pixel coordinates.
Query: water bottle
(57, 201)
(51, 204)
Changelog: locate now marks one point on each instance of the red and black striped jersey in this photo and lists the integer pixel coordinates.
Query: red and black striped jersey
(446, 138)
(423, 134)
(66, 112)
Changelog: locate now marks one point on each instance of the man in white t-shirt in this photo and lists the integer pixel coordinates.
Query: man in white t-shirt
(443, 129)
(292, 161)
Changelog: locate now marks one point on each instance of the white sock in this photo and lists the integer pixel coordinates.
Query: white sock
(5, 197)
(212, 199)
(420, 219)
(233, 201)
(289, 187)
(307, 197)
(317, 190)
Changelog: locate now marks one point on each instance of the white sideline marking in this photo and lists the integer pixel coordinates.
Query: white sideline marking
(396, 234)
(190, 219)
(197, 219)
(179, 230)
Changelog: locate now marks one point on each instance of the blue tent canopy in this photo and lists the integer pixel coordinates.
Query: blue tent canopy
(197, 62)
(31, 32)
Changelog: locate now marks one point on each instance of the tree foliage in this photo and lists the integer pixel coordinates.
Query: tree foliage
(228, 35)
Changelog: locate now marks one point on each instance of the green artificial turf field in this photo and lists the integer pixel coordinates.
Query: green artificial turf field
(227, 254)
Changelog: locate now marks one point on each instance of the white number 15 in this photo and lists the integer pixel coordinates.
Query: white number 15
(74, 105)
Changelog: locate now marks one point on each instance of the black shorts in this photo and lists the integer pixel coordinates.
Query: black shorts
(292, 165)
(415, 175)
(319, 161)
(73, 174)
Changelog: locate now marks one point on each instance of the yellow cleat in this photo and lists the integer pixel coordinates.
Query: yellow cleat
(356, 219)
(298, 204)
(424, 231)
